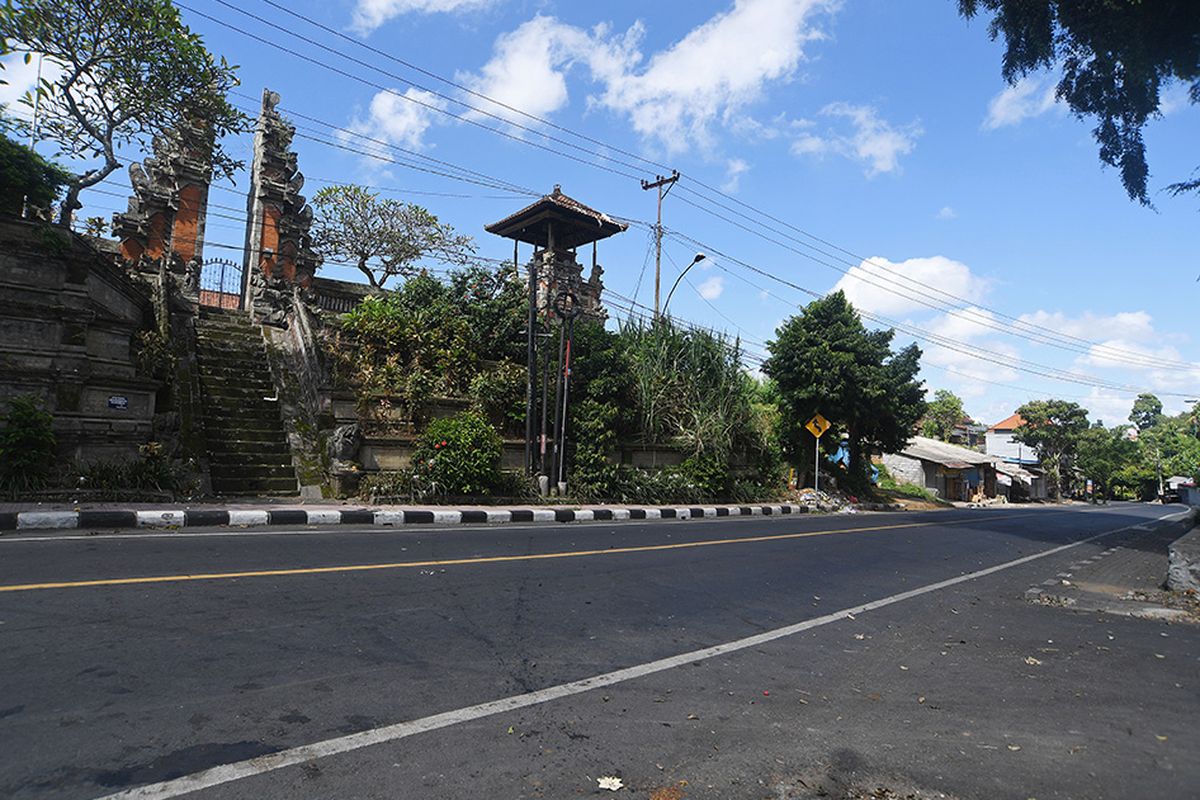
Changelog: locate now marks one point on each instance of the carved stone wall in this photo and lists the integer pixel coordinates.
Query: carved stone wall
(279, 250)
(166, 213)
(67, 337)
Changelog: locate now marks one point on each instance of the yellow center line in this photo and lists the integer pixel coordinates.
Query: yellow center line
(271, 573)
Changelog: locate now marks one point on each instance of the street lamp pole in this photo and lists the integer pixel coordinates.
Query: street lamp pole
(695, 260)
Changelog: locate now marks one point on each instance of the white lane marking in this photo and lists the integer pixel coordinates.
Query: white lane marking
(227, 773)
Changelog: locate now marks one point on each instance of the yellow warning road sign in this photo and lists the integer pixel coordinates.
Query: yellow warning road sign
(817, 426)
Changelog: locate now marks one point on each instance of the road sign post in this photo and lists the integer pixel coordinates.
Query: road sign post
(817, 427)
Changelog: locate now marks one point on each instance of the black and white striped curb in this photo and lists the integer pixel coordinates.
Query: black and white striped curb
(194, 518)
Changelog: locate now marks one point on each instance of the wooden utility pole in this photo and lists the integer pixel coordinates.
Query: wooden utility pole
(658, 183)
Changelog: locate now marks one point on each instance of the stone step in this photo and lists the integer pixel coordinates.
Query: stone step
(272, 488)
(206, 351)
(250, 472)
(206, 336)
(232, 361)
(243, 452)
(227, 480)
(219, 435)
(225, 374)
(223, 427)
(237, 392)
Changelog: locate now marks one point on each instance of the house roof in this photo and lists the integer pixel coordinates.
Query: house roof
(571, 222)
(948, 455)
(1009, 424)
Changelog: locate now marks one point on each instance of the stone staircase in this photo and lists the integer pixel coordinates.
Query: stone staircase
(248, 450)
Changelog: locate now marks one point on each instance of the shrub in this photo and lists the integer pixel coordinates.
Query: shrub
(149, 475)
(593, 476)
(499, 395)
(27, 177)
(26, 446)
(460, 454)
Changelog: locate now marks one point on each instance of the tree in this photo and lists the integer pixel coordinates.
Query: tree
(945, 412)
(382, 238)
(1116, 56)
(27, 178)
(1147, 411)
(1103, 454)
(824, 360)
(125, 72)
(1053, 429)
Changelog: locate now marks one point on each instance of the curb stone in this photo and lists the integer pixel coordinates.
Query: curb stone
(174, 518)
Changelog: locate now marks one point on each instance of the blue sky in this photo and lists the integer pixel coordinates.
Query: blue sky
(883, 128)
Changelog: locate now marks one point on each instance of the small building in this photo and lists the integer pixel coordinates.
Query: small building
(999, 442)
(949, 471)
(1019, 483)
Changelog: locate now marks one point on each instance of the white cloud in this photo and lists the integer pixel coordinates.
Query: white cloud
(529, 65)
(734, 170)
(715, 70)
(1130, 325)
(712, 288)
(875, 285)
(1173, 99)
(706, 78)
(1028, 97)
(370, 14)
(946, 213)
(22, 78)
(399, 118)
(869, 139)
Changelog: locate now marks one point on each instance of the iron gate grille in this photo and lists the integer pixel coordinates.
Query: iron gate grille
(221, 283)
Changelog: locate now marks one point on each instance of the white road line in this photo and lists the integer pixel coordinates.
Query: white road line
(227, 773)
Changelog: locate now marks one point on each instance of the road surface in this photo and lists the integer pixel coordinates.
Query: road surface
(724, 658)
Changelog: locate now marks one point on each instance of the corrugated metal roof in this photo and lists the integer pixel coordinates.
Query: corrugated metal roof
(948, 455)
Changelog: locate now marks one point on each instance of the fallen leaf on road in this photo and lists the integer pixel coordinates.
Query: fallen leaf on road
(609, 782)
(1159, 655)
(859, 636)
(1014, 747)
(510, 730)
(667, 793)
(692, 716)
(903, 667)
(766, 693)
(921, 699)
(1031, 661)
(1160, 738)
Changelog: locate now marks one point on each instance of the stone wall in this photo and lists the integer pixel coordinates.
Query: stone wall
(67, 338)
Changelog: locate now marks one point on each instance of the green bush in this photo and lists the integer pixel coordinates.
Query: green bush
(26, 446)
(499, 395)
(593, 476)
(151, 475)
(459, 454)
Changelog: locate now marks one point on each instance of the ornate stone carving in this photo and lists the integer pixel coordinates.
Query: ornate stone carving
(278, 244)
(165, 215)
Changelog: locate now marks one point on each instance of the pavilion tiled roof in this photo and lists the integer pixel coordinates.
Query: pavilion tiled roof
(573, 223)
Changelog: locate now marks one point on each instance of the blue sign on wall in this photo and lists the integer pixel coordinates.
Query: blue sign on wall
(119, 402)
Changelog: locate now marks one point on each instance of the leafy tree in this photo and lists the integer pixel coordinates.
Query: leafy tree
(824, 360)
(1103, 454)
(26, 177)
(1147, 411)
(1115, 55)
(945, 412)
(1053, 429)
(383, 238)
(127, 70)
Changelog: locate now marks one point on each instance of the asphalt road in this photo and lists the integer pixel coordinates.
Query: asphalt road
(243, 645)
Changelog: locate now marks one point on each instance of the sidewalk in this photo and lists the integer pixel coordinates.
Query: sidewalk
(92, 516)
(1127, 578)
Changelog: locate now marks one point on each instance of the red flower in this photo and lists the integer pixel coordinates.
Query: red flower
(444, 443)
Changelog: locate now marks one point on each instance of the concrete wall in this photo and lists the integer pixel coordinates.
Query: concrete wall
(66, 334)
(1001, 444)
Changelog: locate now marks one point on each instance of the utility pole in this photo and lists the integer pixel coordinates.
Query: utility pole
(658, 183)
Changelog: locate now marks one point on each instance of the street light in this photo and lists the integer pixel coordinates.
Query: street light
(696, 259)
